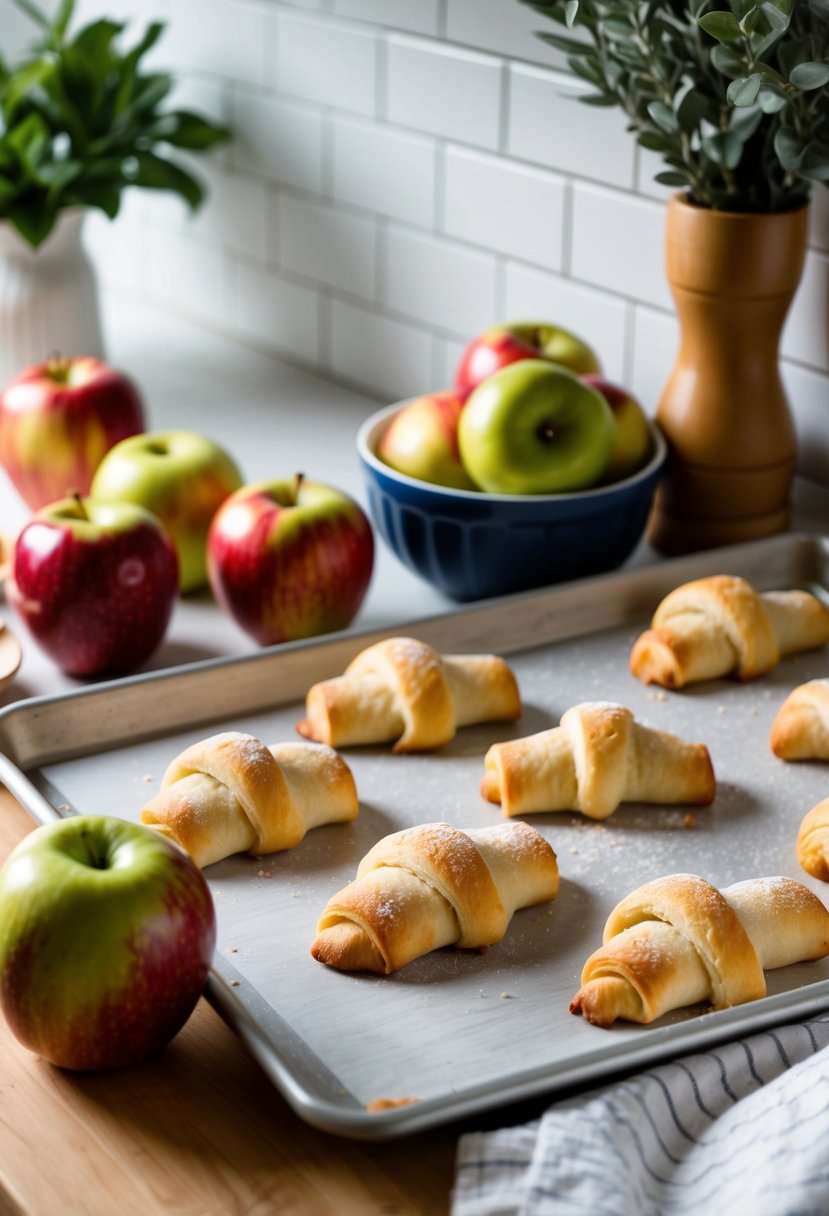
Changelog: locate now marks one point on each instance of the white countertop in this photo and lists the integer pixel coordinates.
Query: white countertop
(275, 420)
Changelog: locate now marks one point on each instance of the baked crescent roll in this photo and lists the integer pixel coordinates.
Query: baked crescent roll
(813, 841)
(800, 730)
(721, 626)
(432, 886)
(598, 757)
(403, 690)
(679, 941)
(232, 794)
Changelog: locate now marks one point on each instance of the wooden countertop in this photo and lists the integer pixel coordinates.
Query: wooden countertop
(197, 1129)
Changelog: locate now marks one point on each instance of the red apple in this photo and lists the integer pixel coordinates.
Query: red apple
(422, 440)
(500, 345)
(95, 583)
(633, 442)
(290, 559)
(57, 421)
(107, 932)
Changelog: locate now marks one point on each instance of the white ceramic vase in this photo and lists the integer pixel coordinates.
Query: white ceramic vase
(48, 297)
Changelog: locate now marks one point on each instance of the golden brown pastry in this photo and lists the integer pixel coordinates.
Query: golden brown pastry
(232, 794)
(813, 841)
(597, 758)
(432, 886)
(721, 626)
(679, 941)
(800, 730)
(401, 689)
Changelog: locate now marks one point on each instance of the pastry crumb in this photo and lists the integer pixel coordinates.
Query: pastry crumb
(263, 873)
(721, 709)
(148, 777)
(378, 1104)
(690, 820)
(507, 996)
(234, 983)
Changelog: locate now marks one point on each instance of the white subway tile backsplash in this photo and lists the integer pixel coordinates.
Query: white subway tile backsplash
(806, 334)
(439, 282)
(416, 16)
(533, 295)
(322, 61)
(231, 43)
(549, 125)
(384, 169)
(277, 314)
(809, 399)
(506, 29)
(405, 173)
(654, 347)
(618, 244)
(334, 247)
(515, 209)
(444, 89)
(386, 356)
(279, 140)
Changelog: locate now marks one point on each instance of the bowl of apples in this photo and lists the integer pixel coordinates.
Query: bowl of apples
(531, 470)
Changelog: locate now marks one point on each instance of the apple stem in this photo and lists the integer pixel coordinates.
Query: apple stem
(95, 859)
(79, 507)
(298, 480)
(57, 368)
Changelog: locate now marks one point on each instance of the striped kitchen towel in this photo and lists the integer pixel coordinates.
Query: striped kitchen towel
(740, 1129)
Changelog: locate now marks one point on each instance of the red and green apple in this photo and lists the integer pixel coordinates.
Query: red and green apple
(422, 440)
(58, 419)
(95, 583)
(632, 442)
(290, 559)
(107, 932)
(501, 345)
(183, 478)
(535, 428)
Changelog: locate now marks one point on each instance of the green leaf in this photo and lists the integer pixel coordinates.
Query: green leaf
(771, 101)
(809, 76)
(25, 82)
(724, 149)
(671, 178)
(181, 129)
(727, 61)
(663, 116)
(33, 220)
(653, 141)
(62, 18)
(789, 148)
(571, 11)
(157, 173)
(743, 91)
(29, 139)
(723, 26)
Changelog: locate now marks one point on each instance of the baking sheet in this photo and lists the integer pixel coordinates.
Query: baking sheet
(459, 1031)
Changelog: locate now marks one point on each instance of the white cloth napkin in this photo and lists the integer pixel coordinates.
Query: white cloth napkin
(740, 1129)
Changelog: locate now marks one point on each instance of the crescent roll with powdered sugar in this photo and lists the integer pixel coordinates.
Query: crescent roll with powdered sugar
(800, 730)
(721, 626)
(680, 941)
(232, 794)
(401, 690)
(599, 757)
(430, 886)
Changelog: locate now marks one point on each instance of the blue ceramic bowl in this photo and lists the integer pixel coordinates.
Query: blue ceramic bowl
(472, 545)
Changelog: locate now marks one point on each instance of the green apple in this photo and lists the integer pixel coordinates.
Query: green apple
(183, 478)
(501, 345)
(632, 442)
(107, 932)
(535, 428)
(422, 440)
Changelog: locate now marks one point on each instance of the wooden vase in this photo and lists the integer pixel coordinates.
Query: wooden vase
(724, 411)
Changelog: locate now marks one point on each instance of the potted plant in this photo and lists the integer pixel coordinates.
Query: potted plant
(81, 121)
(734, 98)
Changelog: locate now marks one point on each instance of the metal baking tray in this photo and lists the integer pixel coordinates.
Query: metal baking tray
(462, 1032)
